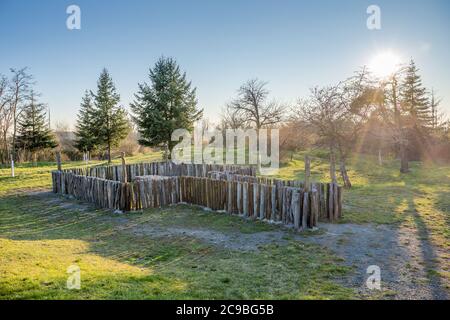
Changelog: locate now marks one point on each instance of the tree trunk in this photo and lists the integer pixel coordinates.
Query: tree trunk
(380, 158)
(5, 147)
(332, 166)
(167, 151)
(344, 175)
(58, 160)
(13, 149)
(404, 165)
(109, 152)
(307, 173)
(258, 163)
(34, 153)
(258, 152)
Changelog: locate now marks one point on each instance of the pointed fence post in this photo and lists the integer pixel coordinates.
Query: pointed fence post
(124, 168)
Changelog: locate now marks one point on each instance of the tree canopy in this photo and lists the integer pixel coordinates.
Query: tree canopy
(34, 133)
(109, 119)
(167, 103)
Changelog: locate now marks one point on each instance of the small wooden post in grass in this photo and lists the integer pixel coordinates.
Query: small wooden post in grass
(58, 160)
(12, 165)
(124, 168)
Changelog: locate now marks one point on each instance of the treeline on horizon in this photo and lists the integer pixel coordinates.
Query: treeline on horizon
(396, 117)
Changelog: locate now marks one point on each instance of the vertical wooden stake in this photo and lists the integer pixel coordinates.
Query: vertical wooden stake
(305, 211)
(12, 166)
(124, 168)
(296, 209)
(58, 160)
(245, 198)
(262, 202)
(274, 203)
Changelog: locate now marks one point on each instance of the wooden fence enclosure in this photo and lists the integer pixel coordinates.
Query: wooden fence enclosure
(232, 189)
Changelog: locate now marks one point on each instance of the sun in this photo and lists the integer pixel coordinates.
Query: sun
(384, 64)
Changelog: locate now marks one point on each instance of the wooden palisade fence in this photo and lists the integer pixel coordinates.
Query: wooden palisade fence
(222, 188)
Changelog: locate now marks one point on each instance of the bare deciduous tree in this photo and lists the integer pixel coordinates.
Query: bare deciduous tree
(294, 136)
(5, 117)
(251, 108)
(338, 114)
(231, 118)
(325, 114)
(19, 86)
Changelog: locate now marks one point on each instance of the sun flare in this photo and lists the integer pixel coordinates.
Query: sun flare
(384, 64)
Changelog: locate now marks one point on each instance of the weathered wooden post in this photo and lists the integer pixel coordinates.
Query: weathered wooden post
(305, 211)
(58, 160)
(273, 203)
(12, 165)
(245, 198)
(262, 202)
(255, 200)
(124, 168)
(296, 209)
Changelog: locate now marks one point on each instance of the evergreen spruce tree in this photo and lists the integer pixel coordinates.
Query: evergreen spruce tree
(109, 119)
(85, 128)
(166, 104)
(414, 98)
(34, 133)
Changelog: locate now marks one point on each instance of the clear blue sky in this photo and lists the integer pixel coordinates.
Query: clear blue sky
(293, 45)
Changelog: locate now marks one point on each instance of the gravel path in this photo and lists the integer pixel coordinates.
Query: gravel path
(403, 259)
(398, 254)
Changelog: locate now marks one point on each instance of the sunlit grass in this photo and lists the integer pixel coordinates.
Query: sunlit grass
(34, 230)
(28, 176)
(40, 240)
(419, 200)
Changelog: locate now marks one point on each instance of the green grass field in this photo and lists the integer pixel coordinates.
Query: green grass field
(41, 235)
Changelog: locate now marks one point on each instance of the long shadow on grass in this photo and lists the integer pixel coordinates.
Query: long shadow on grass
(430, 258)
(290, 271)
(393, 199)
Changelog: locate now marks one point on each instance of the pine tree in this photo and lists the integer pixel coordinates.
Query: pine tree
(34, 133)
(414, 98)
(168, 103)
(85, 129)
(109, 119)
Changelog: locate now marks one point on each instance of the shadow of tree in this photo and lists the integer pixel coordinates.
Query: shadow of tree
(163, 267)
